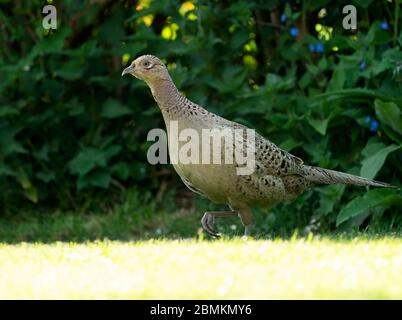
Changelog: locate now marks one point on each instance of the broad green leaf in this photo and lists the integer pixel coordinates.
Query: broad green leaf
(400, 38)
(372, 164)
(111, 30)
(329, 196)
(8, 143)
(313, 69)
(74, 107)
(288, 10)
(290, 144)
(99, 178)
(390, 114)
(86, 160)
(71, 70)
(30, 191)
(274, 82)
(6, 111)
(323, 64)
(393, 135)
(114, 109)
(338, 79)
(32, 194)
(239, 39)
(319, 125)
(6, 170)
(122, 170)
(51, 43)
(379, 66)
(372, 199)
(179, 75)
(373, 146)
(42, 153)
(23, 179)
(376, 35)
(46, 176)
(305, 80)
(111, 151)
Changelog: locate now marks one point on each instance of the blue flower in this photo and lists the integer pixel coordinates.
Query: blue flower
(362, 65)
(367, 119)
(311, 46)
(283, 18)
(384, 25)
(294, 32)
(374, 126)
(319, 47)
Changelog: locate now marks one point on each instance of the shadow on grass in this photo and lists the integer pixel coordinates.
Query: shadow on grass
(140, 217)
(184, 224)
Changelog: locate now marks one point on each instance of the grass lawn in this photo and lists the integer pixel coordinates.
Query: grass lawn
(228, 268)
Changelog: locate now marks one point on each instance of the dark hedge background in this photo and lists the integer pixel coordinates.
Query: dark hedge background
(73, 131)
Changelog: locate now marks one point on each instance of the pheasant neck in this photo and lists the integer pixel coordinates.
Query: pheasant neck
(166, 95)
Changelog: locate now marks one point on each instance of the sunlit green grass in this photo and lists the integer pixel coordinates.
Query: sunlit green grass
(235, 268)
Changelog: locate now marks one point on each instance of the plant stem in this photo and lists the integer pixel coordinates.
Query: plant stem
(304, 17)
(359, 93)
(396, 21)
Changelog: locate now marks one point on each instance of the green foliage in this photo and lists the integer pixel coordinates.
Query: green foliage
(71, 127)
(374, 155)
(389, 114)
(372, 199)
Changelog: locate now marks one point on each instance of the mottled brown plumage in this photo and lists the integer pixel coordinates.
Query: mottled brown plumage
(278, 176)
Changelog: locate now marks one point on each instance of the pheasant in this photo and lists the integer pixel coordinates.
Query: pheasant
(277, 175)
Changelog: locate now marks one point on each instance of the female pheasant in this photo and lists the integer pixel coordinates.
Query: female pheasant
(277, 175)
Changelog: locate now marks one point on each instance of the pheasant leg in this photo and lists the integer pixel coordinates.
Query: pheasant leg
(247, 230)
(246, 219)
(208, 220)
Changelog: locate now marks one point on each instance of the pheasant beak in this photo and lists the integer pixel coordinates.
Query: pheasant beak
(128, 70)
